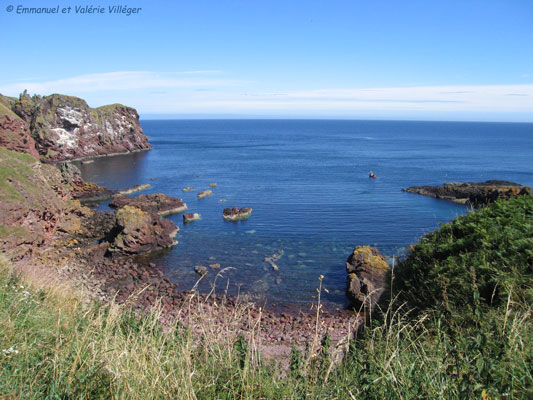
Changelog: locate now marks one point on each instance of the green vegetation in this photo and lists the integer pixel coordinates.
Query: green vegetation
(6, 110)
(16, 168)
(488, 253)
(458, 343)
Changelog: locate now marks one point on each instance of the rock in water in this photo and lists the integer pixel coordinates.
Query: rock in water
(204, 193)
(189, 217)
(474, 193)
(135, 189)
(367, 270)
(234, 214)
(200, 270)
(138, 231)
(159, 203)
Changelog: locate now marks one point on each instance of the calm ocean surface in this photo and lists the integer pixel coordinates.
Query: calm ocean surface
(307, 182)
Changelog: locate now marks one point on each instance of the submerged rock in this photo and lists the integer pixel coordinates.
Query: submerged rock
(474, 193)
(159, 203)
(201, 270)
(367, 270)
(235, 214)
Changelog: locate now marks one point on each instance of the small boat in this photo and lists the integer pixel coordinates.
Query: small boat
(372, 175)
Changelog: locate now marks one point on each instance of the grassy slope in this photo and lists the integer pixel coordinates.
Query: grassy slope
(68, 349)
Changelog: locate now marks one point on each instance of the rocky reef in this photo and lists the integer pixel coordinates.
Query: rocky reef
(367, 270)
(235, 214)
(474, 193)
(158, 203)
(66, 128)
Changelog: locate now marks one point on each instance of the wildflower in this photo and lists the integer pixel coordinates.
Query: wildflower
(22, 287)
(26, 293)
(9, 351)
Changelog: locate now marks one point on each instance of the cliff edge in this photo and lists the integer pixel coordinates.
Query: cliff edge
(61, 128)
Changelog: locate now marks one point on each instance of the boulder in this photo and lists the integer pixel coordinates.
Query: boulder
(158, 203)
(235, 214)
(189, 217)
(367, 270)
(474, 193)
(137, 231)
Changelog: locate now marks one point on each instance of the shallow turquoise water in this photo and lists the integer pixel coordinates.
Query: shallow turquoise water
(307, 182)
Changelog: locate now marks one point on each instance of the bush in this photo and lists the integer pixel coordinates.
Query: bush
(477, 262)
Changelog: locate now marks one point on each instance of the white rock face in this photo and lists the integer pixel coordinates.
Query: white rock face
(72, 116)
(66, 138)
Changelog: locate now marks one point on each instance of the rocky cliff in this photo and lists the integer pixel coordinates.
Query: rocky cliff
(14, 132)
(66, 128)
(35, 205)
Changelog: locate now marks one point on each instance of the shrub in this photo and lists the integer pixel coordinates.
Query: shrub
(479, 261)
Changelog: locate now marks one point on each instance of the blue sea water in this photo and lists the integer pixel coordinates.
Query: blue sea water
(307, 182)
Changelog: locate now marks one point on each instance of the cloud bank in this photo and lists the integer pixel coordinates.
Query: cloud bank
(210, 91)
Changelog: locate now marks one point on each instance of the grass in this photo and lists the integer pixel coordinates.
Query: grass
(68, 348)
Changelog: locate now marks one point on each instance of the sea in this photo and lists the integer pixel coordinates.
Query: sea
(313, 201)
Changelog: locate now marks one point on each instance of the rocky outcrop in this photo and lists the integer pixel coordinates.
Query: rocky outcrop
(189, 217)
(138, 232)
(35, 204)
(474, 193)
(66, 128)
(367, 270)
(81, 190)
(158, 203)
(235, 214)
(14, 132)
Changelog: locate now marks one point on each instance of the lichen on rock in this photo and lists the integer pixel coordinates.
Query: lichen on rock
(367, 270)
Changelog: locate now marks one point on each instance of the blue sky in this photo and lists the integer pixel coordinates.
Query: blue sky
(439, 59)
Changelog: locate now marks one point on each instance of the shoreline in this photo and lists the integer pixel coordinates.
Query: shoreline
(96, 156)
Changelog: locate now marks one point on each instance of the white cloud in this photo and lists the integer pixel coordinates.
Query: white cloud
(208, 91)
(116, 81)
(490, 98)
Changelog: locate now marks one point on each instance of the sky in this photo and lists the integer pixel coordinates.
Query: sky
(361, 59)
